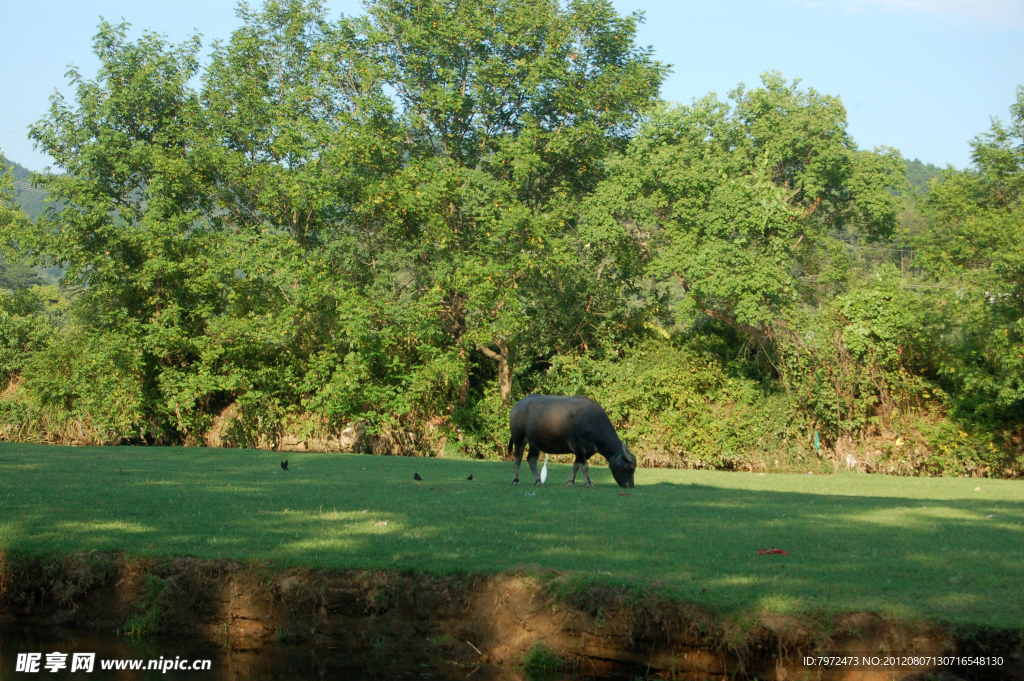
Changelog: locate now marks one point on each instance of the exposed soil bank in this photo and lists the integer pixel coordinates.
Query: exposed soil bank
(466, 619)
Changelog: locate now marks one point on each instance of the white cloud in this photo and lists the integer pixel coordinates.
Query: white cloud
(1000, 13)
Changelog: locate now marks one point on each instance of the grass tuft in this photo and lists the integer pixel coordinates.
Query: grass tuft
(540, 661)
(147, 622)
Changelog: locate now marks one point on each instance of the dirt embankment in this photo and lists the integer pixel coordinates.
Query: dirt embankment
(466, 619)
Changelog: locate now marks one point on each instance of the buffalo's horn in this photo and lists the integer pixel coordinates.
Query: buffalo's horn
(629, 456)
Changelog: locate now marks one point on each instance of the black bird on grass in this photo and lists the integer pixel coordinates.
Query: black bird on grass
(470, 478)
(416, 476)
(284, 465)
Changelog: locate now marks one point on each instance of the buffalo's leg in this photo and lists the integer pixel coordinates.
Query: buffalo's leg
(517, 456)
(572, 476)
(586, 474)
(532, 459)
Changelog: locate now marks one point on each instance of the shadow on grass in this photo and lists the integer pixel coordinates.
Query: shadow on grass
(935, 554)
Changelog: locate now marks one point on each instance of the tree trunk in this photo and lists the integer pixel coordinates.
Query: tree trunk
(504, 368)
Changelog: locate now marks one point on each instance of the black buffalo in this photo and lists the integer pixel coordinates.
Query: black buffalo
(567, 425)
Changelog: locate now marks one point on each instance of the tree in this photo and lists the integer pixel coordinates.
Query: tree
(133, 222)
(974, 248)
(508, 110)
(742, 203)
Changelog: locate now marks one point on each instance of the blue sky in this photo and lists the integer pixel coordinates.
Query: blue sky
(923, 76)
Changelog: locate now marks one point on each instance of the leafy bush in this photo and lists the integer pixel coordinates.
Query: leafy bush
(857, 364)
(95, 378)
(680, 405)
(23, 330)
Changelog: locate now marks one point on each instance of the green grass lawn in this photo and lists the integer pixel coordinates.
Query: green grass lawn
(930, 548)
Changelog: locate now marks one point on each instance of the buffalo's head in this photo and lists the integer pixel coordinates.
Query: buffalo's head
(623, 465)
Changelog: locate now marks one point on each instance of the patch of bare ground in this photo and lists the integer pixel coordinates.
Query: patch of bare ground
(466, 619)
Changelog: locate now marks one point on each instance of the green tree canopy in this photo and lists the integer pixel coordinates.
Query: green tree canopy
(742, 203)
(975, 249)
(348, 214)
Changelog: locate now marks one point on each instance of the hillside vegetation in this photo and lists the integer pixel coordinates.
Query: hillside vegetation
(31, 201)
(920, 174)
(15, 275)
(404, 221)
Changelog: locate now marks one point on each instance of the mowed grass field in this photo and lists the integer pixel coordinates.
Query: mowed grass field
(912, 548)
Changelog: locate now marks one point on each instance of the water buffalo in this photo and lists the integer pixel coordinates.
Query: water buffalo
(567, 425)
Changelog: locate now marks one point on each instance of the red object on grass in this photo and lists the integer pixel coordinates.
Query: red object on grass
(624, 494)
(770, 551)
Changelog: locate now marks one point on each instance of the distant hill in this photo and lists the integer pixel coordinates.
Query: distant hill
(30, 200)
(14, 275)
(918, 174)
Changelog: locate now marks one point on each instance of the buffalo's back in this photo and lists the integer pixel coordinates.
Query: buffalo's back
(561, 425)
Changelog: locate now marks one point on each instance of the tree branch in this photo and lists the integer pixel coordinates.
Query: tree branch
(762, 335)
(491, 354)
